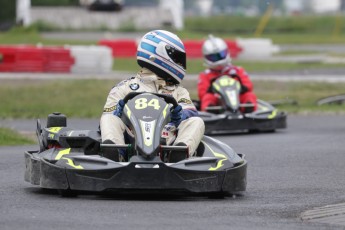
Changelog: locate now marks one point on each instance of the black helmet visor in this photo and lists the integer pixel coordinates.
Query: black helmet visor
(177, 56)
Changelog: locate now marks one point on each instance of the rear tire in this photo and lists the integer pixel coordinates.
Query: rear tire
(216, 195)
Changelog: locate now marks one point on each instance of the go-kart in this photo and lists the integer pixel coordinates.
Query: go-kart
(231, 116)
(72, 161)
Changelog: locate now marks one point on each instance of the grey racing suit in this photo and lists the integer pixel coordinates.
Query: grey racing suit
(190, 130)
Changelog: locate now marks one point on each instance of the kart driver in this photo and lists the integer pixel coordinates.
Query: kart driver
(162, 58)
(218, 63)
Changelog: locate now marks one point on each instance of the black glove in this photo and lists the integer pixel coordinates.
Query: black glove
(243, 89)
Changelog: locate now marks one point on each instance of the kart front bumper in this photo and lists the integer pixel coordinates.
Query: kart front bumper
(220, 123)
(189, 176)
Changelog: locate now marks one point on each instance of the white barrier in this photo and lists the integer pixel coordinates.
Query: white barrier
(91, 59)
(256, 48)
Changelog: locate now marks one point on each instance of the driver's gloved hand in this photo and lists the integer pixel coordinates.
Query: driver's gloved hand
(176, 115)
(119, 108)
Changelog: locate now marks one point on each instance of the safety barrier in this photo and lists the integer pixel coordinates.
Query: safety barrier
(77, 59)
(125, 48)
(193, 48)
(34, 59)
(99, 59)
(91, 59)
(58, 59)
(257, 48)
(21, 59)
(121, 47)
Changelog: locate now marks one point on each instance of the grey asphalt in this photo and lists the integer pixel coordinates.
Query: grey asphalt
(289, 172)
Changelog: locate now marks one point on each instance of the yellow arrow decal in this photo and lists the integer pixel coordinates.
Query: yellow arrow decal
(61, 153)
(219, 155)
(54, 129)
(71, 163)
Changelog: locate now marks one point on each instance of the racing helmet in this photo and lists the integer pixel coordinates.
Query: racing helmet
(215, 52)
(163, 53)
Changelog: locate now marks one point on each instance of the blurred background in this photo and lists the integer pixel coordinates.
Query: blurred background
(292, 49)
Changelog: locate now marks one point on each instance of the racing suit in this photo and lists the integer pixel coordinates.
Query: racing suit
(208, 98)
(113, 128)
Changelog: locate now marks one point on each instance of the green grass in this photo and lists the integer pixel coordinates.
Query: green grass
(86, 98)
(305, 94)
(9, 137)
(297, 29)
(282, 30)
(31, 36)
(30, 99)
(195, 66)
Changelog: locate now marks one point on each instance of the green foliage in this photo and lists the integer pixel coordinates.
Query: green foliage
(7, 13)
(7, 10)
(30, 35)
(54, 2)
(10, 137)
(226, 24)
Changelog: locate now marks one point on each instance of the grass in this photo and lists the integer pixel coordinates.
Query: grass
(195, 66)
(9, 137)
(282, 30)
(85, 98)
(30, 99)
(301, 29)
(31, 35)
(305, 94)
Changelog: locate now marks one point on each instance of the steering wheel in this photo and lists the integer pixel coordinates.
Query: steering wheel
(167, 98)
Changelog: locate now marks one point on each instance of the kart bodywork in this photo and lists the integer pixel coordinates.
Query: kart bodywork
(230, 116)
(72, 160)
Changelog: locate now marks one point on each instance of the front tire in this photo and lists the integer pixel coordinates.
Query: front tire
(67, 193)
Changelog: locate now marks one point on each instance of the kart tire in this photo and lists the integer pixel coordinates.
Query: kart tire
(216, 195)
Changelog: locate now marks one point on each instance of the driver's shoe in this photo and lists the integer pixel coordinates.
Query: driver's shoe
(177, 155)
(110, 153)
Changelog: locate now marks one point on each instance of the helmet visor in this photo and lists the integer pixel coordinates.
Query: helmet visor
(177, 56)
(217, 56)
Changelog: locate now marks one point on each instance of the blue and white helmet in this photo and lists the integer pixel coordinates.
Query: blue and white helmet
(163, 53)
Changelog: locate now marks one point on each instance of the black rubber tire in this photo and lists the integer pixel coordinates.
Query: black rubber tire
(67, 193)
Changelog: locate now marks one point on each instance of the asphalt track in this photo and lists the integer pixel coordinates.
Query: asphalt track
(289, 171)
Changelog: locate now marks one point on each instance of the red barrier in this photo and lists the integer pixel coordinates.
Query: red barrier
(58, 60)
(7, 59)
(121, 47)
(29, 59)
(35, 59)
(21, 59)
(234, 48)
(128, 47)
(193, 48)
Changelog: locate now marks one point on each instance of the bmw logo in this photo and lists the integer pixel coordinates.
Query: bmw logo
(134, 86)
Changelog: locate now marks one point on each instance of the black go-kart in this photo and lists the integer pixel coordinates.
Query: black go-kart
(231, 115)
(74, 161)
